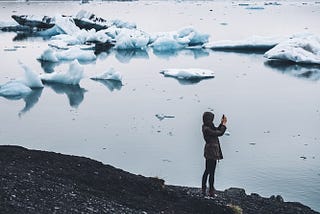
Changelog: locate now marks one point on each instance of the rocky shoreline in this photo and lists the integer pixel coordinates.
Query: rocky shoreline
(34, 181)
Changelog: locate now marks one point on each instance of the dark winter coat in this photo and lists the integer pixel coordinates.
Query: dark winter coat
(212, 149)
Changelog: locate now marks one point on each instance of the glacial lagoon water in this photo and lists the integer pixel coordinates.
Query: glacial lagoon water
(273, 110)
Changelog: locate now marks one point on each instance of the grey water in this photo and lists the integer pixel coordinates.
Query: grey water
(273, 109)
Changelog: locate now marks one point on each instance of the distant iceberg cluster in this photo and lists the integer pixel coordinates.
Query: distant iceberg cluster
(86, 29)
(83, 37)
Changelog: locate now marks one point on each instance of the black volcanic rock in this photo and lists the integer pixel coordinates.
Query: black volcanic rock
(46, 182)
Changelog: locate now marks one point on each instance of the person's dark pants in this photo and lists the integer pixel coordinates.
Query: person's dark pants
(210, 168)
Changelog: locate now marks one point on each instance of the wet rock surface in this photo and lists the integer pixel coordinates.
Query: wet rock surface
(45, 182)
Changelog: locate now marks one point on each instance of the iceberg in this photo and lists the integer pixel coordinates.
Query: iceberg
(87, 20)
(131, 39)
(18, 89)
(72, 76)
(110, 74)
(188, 74)
(14, 90)
(42, 22)
(31, 79)
(73, 53)
(176, 40)
(253, 43)
(303, 49)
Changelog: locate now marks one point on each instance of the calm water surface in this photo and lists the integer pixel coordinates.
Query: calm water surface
(273, 112)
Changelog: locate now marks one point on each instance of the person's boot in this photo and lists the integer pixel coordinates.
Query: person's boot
(211, 192)
(204, 189)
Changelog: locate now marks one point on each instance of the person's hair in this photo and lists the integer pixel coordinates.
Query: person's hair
(207, 118)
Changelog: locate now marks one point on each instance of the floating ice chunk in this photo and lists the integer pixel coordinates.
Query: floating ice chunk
(70, 54)
(66, 25)
(110, 74)
(49, 55)
(272, 3)
(14, 89)
(252, 43)
(71, 77)
(31, 79)
(132, 39)
(255, 8)
(191, 73)
(163, 116)
(299, 49)
(176, 40)
(82, 37)
(167, 43)
(195, 38)
(88, 20)
(42, 22)
(122, 24)
(59, 44)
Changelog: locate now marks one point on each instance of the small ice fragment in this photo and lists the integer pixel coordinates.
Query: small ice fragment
(252, 143)
(191, 73)
(255, 8)
(162, 116)
(110, 74)
(9, 49)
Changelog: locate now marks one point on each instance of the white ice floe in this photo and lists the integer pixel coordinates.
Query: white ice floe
(188, 74)
(299, 49)
(31, 79)
(73, 53)
(176, 40)
(72, 76)
(14, 89)
(110, 74)
(128, 39)
(66, 25)
(251, 43)
(81, 37)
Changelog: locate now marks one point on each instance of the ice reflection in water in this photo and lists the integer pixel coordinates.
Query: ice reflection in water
(110, 84)
(74, 93)
(304, 71)
(31, 100)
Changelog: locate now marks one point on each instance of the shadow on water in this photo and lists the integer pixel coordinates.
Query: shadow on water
(74, 93)
(124, 56)
(30, 100)
(258, 51)
(190, 81)
(303, 71)
(110, 84)
(30, 37)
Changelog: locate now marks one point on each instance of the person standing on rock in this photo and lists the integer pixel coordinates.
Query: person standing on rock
(212, 149)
